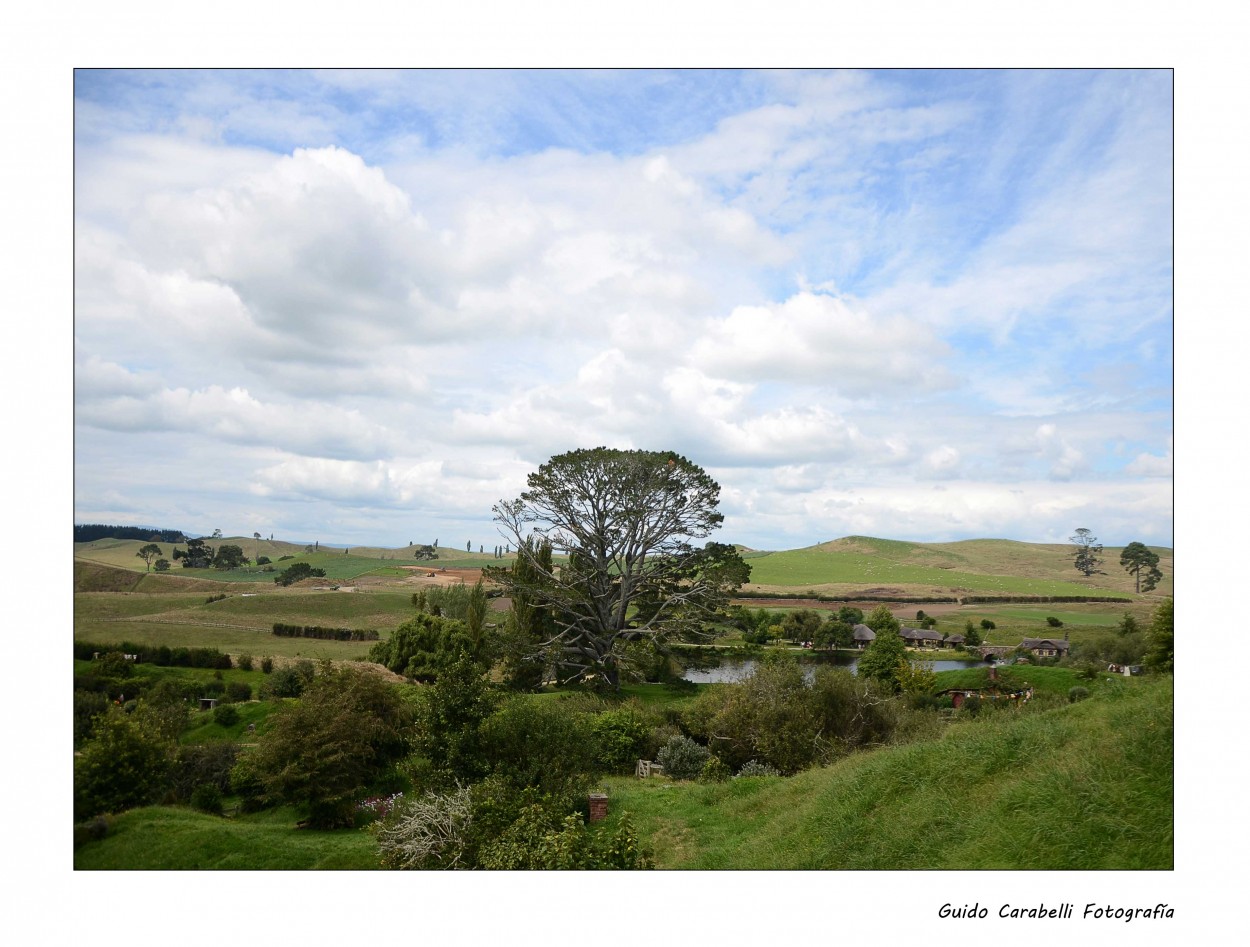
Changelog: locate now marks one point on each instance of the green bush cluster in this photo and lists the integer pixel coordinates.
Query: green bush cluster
(777, 716)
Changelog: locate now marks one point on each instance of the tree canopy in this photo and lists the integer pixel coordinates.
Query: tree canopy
(1086, 558)
(625, 521)
(1143, 564)
(148, 553)
(319, 750)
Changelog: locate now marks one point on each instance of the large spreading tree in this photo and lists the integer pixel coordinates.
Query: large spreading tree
(1138, 560)
(623, 522)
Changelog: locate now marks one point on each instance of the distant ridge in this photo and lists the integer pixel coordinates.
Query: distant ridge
(90, 532)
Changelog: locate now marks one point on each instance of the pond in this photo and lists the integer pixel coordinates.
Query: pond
(735, 669)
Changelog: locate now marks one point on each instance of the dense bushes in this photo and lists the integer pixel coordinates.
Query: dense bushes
(777, 717)
(288, 680)
(539, 744)
(202, 764)
(320, 751)
(621, 739)
(160, 655)
(491, 826)
(124, 764)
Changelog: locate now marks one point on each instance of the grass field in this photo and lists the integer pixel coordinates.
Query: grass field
(982, 566)
(340, 564)
(167, 838)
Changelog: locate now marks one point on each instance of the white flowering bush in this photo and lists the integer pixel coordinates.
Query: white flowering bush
(429, 832)
(756, 768)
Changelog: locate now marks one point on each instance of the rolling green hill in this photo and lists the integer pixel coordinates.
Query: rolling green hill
(1083, 786)
(998, 567)
(847, 566)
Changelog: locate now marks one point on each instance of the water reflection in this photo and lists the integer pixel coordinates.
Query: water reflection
(735, 669)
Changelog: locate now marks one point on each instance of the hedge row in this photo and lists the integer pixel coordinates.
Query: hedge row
(1049, 599)
(924, 600)
(326, 634)
(814, 597)
(160, 655)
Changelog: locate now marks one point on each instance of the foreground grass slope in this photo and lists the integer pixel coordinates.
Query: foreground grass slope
(161, 838)
(1085, 786)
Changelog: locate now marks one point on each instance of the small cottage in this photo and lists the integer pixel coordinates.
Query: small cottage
(921, 637)
(863, 636)
(1046, 647)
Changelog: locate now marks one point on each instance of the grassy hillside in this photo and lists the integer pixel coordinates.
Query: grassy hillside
(339, 564)
(163, 838)
(1083, 786)
(978, 566)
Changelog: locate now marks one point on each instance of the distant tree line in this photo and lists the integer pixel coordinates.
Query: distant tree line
(90, 532)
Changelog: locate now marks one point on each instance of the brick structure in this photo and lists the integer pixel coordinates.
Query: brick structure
(598, 806)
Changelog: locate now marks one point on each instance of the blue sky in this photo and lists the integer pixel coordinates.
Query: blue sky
(361, 306)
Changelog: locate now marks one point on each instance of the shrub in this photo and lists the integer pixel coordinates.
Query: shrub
(245, 662)
(682, 758)
(207, 798)
(93, 830)
(451, 715)
(284, 682)
(87, 706)
(226, 715)
(539, 744)
(714, 771)
(620, 739)
(539, 840)
(319, 752)
(124, 764)
(198, 764)
(756, 768)
(1053, 622)
(266, 665)
(238, 691)
(1077, 693)
(428, 832)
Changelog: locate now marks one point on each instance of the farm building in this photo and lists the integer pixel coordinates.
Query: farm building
(1045, 647)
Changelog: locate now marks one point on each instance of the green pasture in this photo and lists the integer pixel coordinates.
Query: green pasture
(341, 564)
(240, 623)
(1084, 786)
(165, 838)
(815, 569)
(985, 567)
